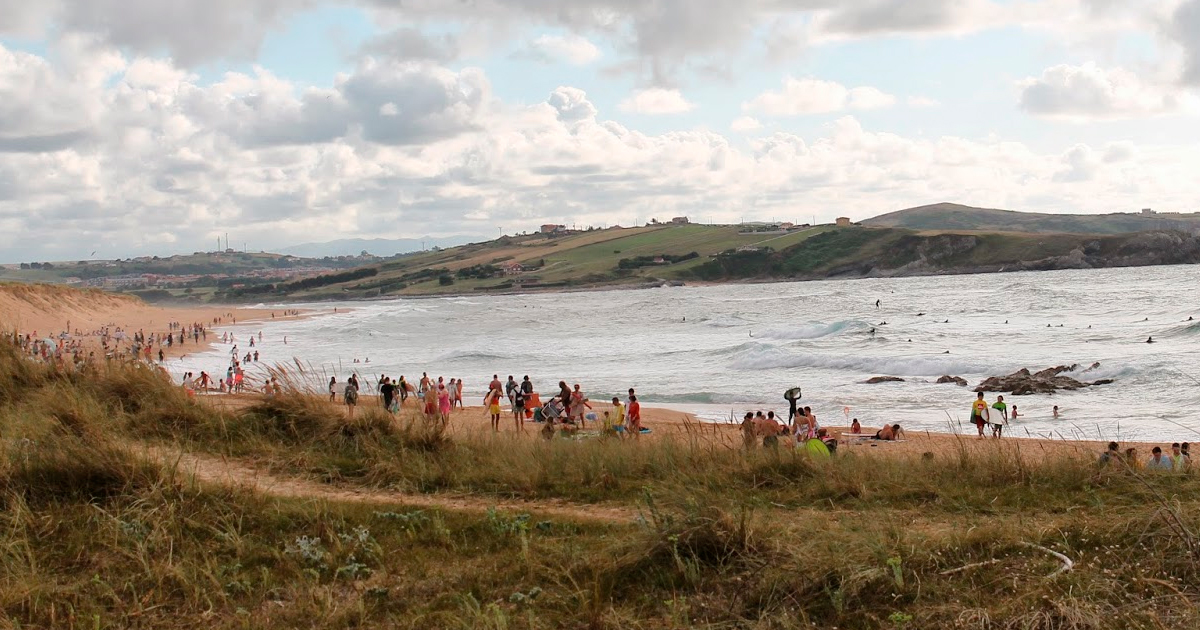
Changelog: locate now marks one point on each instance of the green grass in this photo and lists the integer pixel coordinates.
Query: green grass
(94, 535)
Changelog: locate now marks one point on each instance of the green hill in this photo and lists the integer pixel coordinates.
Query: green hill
(685, 253)
(951, 216)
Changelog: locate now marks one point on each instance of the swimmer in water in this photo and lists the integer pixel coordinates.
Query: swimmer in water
(1055, 412)
(1150, 340)
(872, 333)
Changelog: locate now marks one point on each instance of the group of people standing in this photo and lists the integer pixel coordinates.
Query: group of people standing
(439, 398)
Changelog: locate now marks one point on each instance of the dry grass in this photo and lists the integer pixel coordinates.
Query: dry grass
(92, 535)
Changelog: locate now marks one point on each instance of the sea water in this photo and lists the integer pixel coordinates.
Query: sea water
(718, 351)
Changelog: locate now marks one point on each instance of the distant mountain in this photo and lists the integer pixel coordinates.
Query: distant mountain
(377, 246)
(951, 216)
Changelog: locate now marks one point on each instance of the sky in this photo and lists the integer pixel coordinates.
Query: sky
(137, 127)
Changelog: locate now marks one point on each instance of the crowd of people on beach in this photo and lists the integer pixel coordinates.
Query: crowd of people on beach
(568, 410)
(73, 347)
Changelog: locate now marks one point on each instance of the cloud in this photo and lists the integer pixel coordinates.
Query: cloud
(656, 101)
(1184, 28)
(411, 44)
(814, 96)
(745, 124)
(1089, 92)
(392, 144)
(572, 49)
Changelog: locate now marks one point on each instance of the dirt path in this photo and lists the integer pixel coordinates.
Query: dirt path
(216, 470)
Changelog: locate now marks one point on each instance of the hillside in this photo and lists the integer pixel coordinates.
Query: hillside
(378, 246)
(950, 216)
(610, 257)
(887, 252)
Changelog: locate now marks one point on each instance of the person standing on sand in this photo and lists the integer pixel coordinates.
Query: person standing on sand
(618, 415)
(518, 409)
(332, 391)
(978, 410)
(635, 417)
(452, 388)
(350, 395)
(579, 403)
(492, 402)
(443, 399)
(564, 396)
(510, 387)
(424, 384)
(526, 386)
(459, 393)
(387, 392)
(402, 388)
(496, 384)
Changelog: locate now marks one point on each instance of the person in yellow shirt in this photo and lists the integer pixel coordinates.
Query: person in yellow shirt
(979, 412)
(615, 421)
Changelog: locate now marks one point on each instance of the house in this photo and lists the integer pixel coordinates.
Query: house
(512, 268)
(843, 222)
(787, 225)
(680, 221)
(551, 228)
(659, 260)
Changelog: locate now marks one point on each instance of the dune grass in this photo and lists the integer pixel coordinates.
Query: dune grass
(94, 535)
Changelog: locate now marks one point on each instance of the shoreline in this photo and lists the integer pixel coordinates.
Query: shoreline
(678, 426)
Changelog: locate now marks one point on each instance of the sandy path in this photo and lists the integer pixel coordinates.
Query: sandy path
(215, 470)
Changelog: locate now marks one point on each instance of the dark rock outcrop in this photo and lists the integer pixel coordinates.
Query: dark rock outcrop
(957, 380)
(1025, 383)
(884, 379)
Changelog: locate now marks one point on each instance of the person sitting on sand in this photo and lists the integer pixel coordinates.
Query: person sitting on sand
(855, 427)
(1177, 457)
(1158, 461)
(749, 437)
(889, 433)
(829, 441)
(1111, 455)
(1131, 458)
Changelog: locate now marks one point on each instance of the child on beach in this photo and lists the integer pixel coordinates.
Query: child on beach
(618, 416)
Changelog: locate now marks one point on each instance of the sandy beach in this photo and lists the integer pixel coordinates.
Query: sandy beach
(47, 310)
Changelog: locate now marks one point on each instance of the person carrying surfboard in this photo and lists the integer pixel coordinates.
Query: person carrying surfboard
(979, 413)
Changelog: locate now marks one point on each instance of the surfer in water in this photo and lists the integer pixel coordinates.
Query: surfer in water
(1150, 340)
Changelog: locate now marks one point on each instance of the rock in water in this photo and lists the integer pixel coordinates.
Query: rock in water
(957, 380)
(1047, 381)
(884, 379)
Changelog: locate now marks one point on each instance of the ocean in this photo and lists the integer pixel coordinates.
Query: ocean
(718, 351)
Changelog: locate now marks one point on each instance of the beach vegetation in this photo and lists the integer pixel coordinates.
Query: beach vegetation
(125, 502)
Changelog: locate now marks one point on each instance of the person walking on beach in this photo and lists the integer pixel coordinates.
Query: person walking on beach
(452, 387)
(978, 411)
(492, 402)
(424, 384)
(526, 386)
(332, 390)
(458, 386)
(510, 387)
(402, 389)
(1001, 407)
(387, 392)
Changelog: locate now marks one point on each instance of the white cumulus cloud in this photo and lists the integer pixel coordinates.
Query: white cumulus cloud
(657, 101)
(814, 96)
(1090, 92)
(745, 124)
(572, 49)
